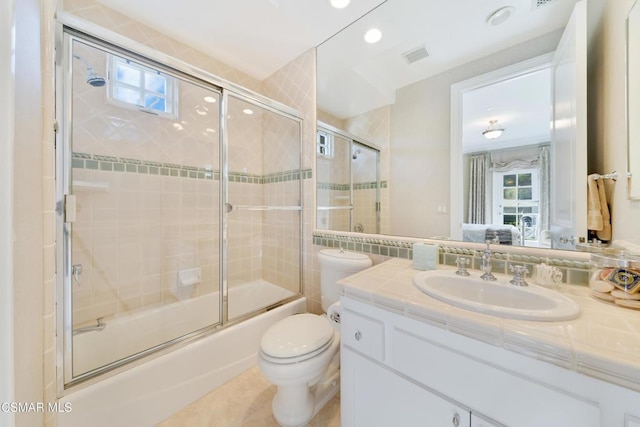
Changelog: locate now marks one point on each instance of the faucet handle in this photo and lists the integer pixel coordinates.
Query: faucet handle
(495, 240)
(519, 273)
(462, 266)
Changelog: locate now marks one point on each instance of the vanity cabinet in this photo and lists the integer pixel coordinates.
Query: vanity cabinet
(397, 370)
(381, 397)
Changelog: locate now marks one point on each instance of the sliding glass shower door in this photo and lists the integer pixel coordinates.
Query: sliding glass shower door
(179, 206)
(348, 183)
(263, 206)
(142, 206)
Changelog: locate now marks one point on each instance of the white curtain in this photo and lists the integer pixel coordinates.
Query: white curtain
(478, 175)
(518, 158)
(545, 187)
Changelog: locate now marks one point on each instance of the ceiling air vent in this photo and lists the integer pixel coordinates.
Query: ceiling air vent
(535, 4)
(415, 55)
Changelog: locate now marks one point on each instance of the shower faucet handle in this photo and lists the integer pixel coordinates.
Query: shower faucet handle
(76, 271)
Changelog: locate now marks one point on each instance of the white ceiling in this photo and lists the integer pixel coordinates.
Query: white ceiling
(257, 37)
(260, 36)
(522, 106)
(454, 32)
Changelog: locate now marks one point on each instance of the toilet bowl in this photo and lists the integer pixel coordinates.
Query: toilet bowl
(300, 354)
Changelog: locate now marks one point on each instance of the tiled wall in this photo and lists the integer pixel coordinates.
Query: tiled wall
(375, 126)
(575, 271)
(162, 179)
(294, 85)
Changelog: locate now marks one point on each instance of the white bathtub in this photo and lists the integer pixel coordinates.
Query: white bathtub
(150, 392)
(127, 335)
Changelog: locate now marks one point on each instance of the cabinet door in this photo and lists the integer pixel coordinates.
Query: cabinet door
(480, 421)
(373, 396)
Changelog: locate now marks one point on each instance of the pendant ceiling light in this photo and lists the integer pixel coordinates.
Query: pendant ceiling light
(493, 131)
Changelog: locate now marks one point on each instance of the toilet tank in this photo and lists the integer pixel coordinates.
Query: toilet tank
(336, 264)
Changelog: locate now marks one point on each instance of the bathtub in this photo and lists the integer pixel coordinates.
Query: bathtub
(130, 334)
(150, 392)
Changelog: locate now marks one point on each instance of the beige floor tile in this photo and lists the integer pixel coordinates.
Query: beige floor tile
(243, 402)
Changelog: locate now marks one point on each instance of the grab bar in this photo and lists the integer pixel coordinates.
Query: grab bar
(100, 325)
(231, 207)
(333, 208)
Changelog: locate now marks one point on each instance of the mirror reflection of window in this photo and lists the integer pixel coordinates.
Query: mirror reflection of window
(519, 204)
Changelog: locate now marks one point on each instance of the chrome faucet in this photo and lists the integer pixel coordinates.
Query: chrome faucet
(519, 273)
(486, 260)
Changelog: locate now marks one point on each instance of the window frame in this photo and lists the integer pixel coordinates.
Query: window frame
(170, 97)
(499, 205)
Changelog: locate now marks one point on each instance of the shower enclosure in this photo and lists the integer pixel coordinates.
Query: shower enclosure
(348, 183)
(179, 206)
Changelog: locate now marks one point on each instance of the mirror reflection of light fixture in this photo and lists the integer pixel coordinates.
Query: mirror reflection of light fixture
(339, 4)
(493, 131)
(500, 15)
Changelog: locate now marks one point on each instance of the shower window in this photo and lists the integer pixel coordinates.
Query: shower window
(324, 145)
(133, 85)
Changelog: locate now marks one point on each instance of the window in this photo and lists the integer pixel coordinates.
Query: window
(132, 85)
(324, 145)
(517, 199)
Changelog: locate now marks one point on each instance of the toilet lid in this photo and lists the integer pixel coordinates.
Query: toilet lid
(296, 336)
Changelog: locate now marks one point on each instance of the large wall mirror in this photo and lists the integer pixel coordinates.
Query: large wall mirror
(633, 100)
(478, 110)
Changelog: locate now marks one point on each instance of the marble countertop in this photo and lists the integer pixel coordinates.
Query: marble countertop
(604, 342)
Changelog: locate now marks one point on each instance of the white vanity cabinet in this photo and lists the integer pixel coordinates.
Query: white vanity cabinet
(399, 371)
(380, 397)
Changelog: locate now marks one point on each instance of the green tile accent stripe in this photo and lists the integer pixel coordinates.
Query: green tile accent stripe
(369, 185)
(332, 186)
(345, 187)
(393, 248)
(123, 164)
(576, 272)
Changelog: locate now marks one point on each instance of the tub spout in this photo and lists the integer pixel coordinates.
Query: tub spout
(99, 326)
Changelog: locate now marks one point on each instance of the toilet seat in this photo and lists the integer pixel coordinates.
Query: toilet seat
(296, 338)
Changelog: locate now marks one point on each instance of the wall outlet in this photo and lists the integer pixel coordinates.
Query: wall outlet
(441, 209)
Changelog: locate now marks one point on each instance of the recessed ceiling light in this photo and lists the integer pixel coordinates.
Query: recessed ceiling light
(247, 111)
(209, 99)
(339, 4)
(500, 15)
(373, 35)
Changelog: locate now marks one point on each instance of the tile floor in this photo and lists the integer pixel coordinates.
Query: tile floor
(243, 402)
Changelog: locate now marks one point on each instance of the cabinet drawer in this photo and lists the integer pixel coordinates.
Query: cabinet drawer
(363, 334)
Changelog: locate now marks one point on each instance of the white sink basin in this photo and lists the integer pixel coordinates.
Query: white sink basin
(499, 298)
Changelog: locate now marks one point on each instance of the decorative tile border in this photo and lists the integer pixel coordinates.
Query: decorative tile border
(145, 167)
(345, 187)
(332, 186)
(369, 185)
(576, 272)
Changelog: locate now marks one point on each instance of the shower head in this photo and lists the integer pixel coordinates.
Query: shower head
(93, 78)
(355, 154)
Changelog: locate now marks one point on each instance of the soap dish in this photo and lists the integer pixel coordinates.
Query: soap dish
(615, 278)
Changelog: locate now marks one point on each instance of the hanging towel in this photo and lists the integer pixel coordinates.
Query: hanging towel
(594, 211)
(605, 233)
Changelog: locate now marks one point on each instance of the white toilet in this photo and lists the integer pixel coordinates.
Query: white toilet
(300, 354)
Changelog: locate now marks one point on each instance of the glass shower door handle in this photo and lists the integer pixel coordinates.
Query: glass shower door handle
(76, 271)
(228, 207)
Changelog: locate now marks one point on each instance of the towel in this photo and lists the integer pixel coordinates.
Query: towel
(628, 247)
(594, 211)
(605, 233)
